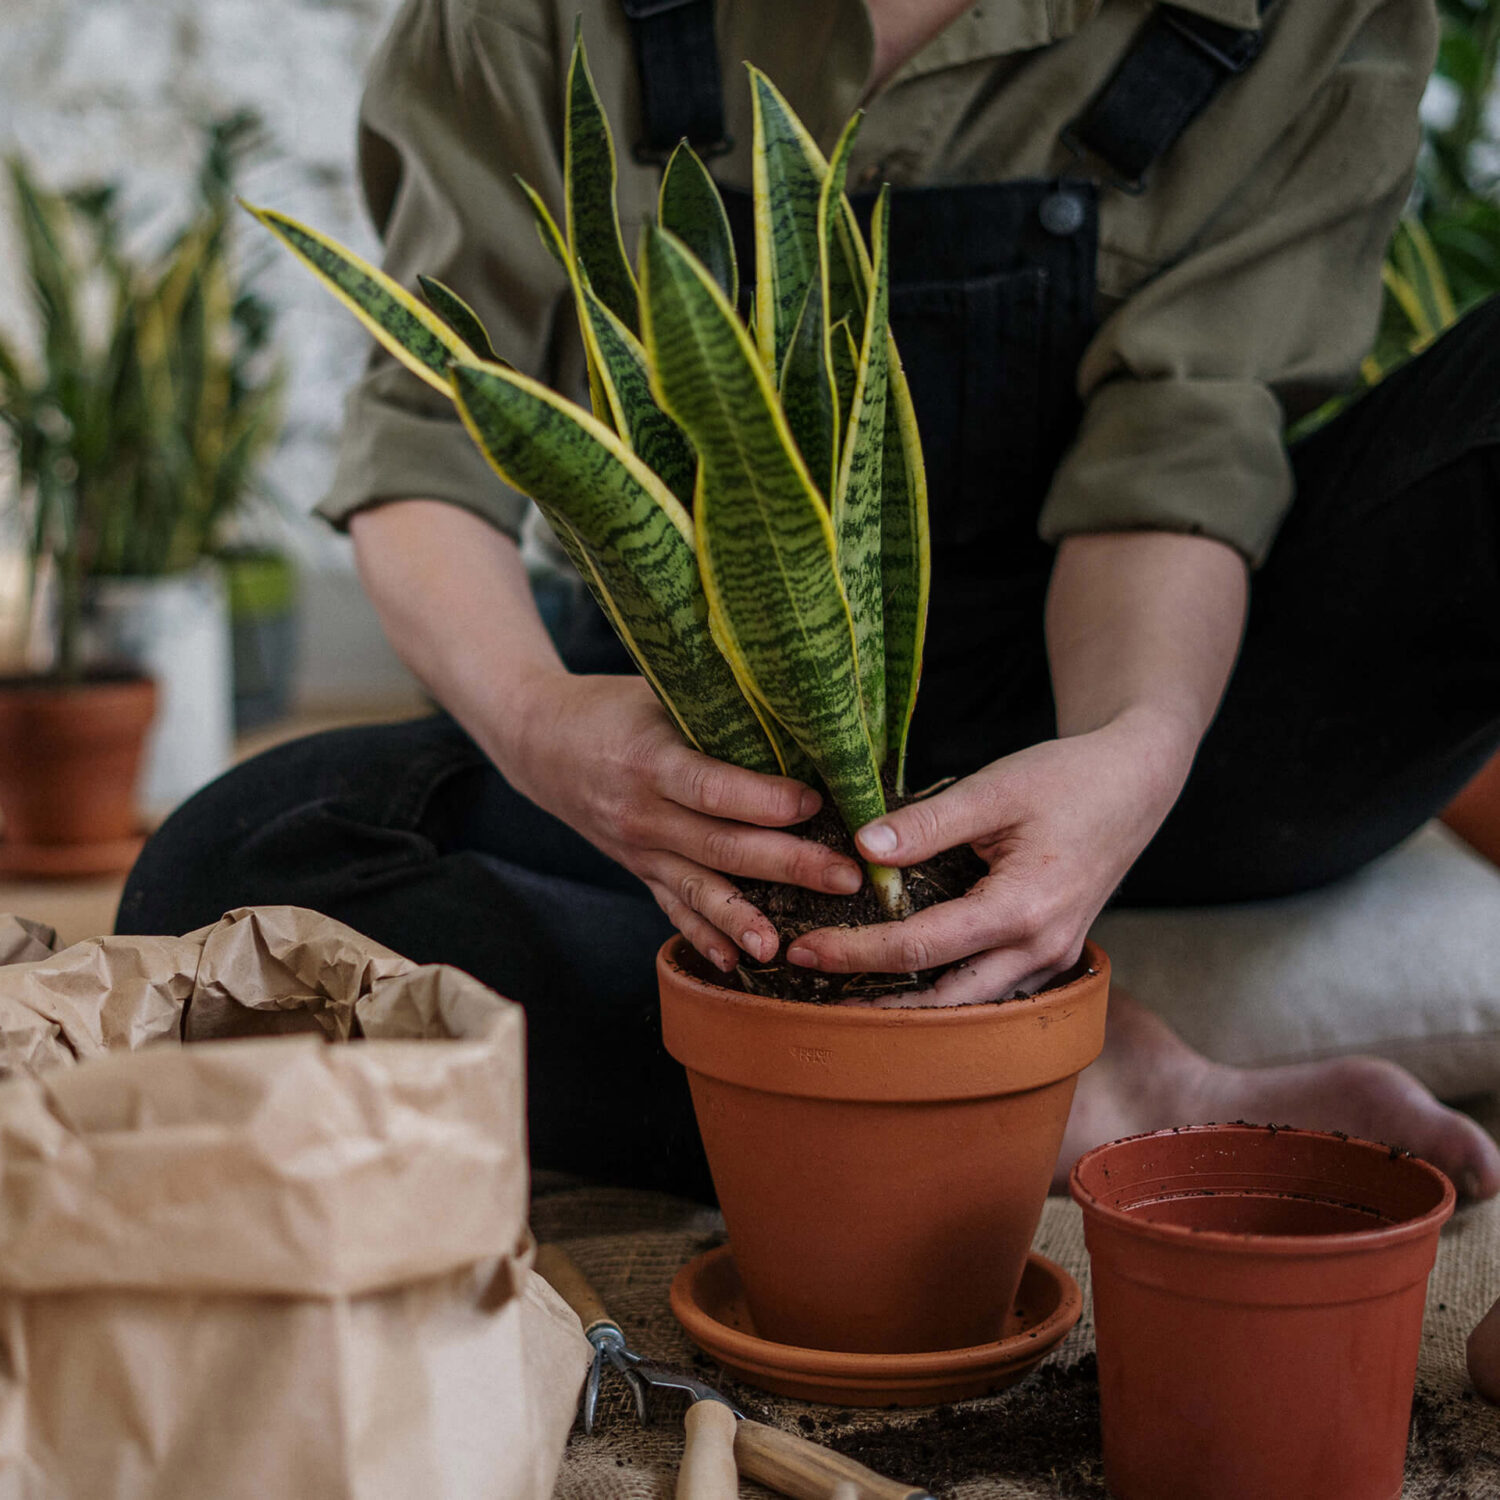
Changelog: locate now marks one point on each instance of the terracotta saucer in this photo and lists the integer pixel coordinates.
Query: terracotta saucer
(61, 861)
(709, 1302)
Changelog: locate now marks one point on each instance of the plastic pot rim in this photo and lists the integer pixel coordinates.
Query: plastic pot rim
(1380, 1237)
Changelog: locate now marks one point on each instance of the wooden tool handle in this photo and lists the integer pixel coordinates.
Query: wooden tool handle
(562, 1273)
(807, 1471)
(708, 1470)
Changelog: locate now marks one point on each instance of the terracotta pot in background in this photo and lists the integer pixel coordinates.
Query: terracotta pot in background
(1258, 1298)
(1474, 815)
(70, 759)
(881, 1172)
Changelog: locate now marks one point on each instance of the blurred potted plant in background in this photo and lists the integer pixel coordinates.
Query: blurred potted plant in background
(138, 428)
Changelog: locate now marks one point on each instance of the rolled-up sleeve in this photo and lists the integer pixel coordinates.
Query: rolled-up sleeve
(455, 106)
(1266, 311)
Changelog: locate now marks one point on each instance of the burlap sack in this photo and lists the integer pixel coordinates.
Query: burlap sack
(268, 1267)
(1037, 1441)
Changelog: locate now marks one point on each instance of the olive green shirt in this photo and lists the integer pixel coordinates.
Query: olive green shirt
(1236, 292)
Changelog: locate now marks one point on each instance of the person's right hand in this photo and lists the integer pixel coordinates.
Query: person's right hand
(602, 754)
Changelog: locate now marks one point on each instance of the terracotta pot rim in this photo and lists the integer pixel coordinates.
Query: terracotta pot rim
(1093, 959)
(1226, 1242)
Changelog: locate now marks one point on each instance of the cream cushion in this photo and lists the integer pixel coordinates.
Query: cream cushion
(1401, 960)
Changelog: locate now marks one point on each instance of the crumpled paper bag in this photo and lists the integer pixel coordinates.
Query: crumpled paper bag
(268, 1266)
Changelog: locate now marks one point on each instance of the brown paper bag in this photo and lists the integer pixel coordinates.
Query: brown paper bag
(268, 1267)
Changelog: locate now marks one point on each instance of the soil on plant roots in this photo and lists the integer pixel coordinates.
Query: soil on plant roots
(793, 911)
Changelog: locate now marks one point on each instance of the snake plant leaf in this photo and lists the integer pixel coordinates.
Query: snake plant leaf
(553, 240)
(845, 353)
(765, 541)
(690, 206)
(787, 178)
(906, 561)
(459, 316)
(589, 181)
(857, 501)
(808, 395)
(413, 333)
(635, 539)
(809, 392)
(653, 436)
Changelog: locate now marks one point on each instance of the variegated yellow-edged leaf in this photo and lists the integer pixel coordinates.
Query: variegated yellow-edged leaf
(857, 500)
(589, 179)
(636, 539)
(690, 206)
(552, 239)
(413, 333)
(787, 176)
(809, 393)
(845, 354)
(808, 396)
(765, 541)
(459, 316)
(906, 561)
(653, 436)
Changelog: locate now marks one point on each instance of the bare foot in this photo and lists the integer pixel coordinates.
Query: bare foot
(1148, 1078)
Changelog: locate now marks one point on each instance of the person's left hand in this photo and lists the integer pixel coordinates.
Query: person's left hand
(1058, 824)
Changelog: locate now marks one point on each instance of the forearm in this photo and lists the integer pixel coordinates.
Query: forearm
(455, 602)
(1142, 633)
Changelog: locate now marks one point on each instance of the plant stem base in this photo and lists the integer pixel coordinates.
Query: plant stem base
(709, 1301)
(67, 861)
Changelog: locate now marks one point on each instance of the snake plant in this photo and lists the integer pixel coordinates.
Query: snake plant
(746, 500)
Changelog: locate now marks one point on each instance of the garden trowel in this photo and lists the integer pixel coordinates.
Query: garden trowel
(722, 1443)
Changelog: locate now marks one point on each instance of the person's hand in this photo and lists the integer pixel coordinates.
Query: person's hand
(1058, 825)
(602, 754)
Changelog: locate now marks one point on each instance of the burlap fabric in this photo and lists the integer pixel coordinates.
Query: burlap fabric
(1039, 1439)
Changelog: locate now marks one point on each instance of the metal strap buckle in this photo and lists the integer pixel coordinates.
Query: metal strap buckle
(1098, 166)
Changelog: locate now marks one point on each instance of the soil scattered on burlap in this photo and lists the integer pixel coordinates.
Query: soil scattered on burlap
(793, 911)
(1045, 1430)
(1442, 1443)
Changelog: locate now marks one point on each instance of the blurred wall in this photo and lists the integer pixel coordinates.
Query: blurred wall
(95, 89)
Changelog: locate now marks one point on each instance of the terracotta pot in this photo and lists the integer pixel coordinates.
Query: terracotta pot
(881, 1172)
(1474, 815)
(1258, 1298)
(69, 761)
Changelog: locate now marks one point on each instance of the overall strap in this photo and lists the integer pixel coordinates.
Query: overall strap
(681, 92)
(1177, 63)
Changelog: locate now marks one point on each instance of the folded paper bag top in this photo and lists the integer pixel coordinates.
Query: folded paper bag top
(278, 1166)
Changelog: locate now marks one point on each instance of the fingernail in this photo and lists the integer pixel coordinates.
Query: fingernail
(878, 838)
(722, 959)
(803, 956)
(1469, 1185)
(844, 879)
(809, 804)
(753, 944)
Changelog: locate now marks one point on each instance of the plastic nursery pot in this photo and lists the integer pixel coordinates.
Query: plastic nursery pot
(1258, 1299)
(881, 1172)
(70, 759)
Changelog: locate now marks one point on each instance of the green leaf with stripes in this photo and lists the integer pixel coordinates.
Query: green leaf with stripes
(808, 396)
(635, 539)
(857, 502)
(906, 561)
(653, 436)
(403, 325)
(787, 178)
(459, 316)
(690, 206)
(845, 368)
(589, 180)
(552, 240)
(765, 541)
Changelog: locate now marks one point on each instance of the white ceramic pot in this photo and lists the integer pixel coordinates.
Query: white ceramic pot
(176, 629)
